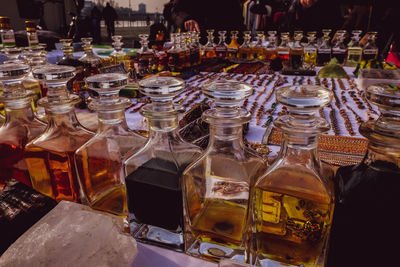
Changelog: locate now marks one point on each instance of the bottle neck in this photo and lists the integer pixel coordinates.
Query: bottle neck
(111, 119)
(20, 113)
(226, 137)
(301, 150)
(386, 153)
(63, 116)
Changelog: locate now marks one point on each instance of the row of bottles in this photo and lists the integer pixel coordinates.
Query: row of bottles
(178, 196)
(224, 202)
(7, 33)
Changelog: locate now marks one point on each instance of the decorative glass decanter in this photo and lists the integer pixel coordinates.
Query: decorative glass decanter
(245, 50)
(339, 50)
(184, 37)
(50, 156)
(176, 57)
(364, 228)
(292, 203)
(216, 186)
(370, 50)
(284, 49)
(68, 58)
(270, 49)
(31, 33)
(296, 51)
(91, 65)
(310, 51)
(233, 46)
(354, 49)
(324, 49)
(145, 57)
(221, 48)
(209, 47)
(118, 55)
(99, 161)
(20, 125)
(259, 46)
(194, 49)
(6, 32)
(153, 174)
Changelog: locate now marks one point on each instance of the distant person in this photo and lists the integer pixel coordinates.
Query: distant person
(95, 16)
(110, 16)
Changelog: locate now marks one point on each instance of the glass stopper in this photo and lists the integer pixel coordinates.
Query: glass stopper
(387, 98)
(161, 88)
(11, 75)
(12, 54)
(108, 85)
(303, 103)
(227, 96)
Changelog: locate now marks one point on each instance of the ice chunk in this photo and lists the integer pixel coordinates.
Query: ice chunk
(73, 235)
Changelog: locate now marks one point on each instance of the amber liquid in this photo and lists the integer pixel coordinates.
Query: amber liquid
(221, 221)
(210, 52)
(176, 60)
(101, 182)
(270, 54)
(292, 226)
(12, 164)
(246, 53)
(296, 59)
(35, 87)
(53, 173)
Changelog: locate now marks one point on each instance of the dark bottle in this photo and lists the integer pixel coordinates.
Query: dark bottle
(365, 231)
(339, 50)
(153, 174)
(68, 59)
(296, 52)
(324, 50)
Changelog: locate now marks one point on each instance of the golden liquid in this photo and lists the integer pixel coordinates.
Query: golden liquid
(210, 53)
(292, 226)
(232, 49)
(270, 54)
(354, 56)
(53, 173)
(220, 221)
(101, 182)
(246, 53)
(310, 58)
(33, 86)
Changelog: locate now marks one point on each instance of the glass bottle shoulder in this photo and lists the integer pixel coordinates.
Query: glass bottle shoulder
(17, 130)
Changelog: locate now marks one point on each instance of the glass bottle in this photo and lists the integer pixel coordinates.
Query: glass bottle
(153, 174)
(339, 50)
(209, 47)
(245, 51)
(31, 33)
(364, 229)
(221, 48)
(99, 161)
(50, 156)
(145, 57)
(194, 49)
(176, 57)
(68, 58)
(370, 50)
(259, 46)
(310, 52)
(233, 46)
(296, 51)
(185, 48)
(216, 186)
(354, 49)
(292, 203)
(270, 49)
(324, 50)
(6, 32)
(284, 49)
(118, 55)
(20, 125)
(91, 65)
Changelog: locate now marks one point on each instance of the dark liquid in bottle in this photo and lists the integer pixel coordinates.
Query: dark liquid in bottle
(323, 58)
(296, 60)
(367, 57)
(365, 227)
(340, 57)
(155, 194)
